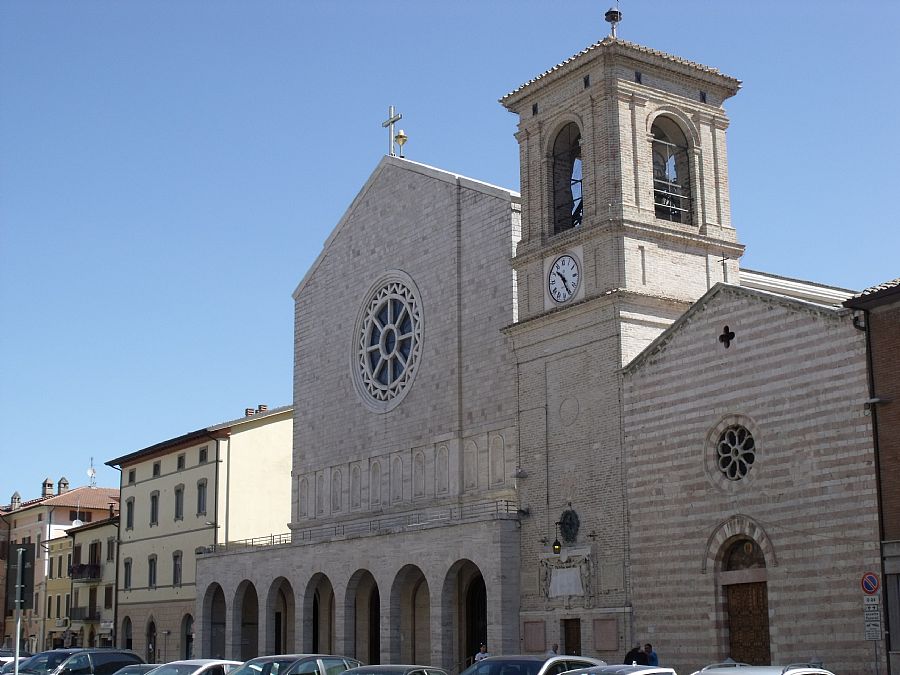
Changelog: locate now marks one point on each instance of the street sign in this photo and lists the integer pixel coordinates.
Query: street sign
(27, 576)
(870, 583)
(869, 600)
(873, 630)
(872, 615)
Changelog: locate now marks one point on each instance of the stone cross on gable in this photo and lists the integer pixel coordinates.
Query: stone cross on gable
(389, 124)
(726, 337)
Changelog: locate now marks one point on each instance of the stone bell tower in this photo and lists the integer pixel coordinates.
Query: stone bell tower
(625, 222)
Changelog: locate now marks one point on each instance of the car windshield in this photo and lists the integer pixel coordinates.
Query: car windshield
(264, 667)
(176, 669)
(504, 667)
(43, 663)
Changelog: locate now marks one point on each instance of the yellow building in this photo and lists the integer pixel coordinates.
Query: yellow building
(57, 592)
(92, 616)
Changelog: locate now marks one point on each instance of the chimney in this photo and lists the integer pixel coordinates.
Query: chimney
(47, 488)
(15, 502)
(262, 408)
(112, 509)
(62, 486)
(249, 412)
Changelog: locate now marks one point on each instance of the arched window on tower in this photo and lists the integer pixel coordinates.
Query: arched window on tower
(671, 172)
(567, 204)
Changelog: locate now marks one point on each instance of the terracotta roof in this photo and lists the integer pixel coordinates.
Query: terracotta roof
(609, 42)
(874, 295)
(86, 497)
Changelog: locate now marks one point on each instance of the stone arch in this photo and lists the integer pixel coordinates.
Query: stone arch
(320, 494)
(410, 613)
(279, 618)
(245, 621)
(318, 615)
(470, 466)
(685, 123)
(362, 617)
(442, 470)
(186, 636)
(303, 498)
(337, 490)
(464, 603)
(214, 622)
(418, 477)
(396, 479)
(355, 487)
(375, 485)
(127, 633)
(565, 174)
(728, 530)
(151, 648)
(497, 461)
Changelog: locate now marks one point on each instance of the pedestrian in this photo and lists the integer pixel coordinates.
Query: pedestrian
(652, 658)
(636, 656)
(482, 653)
(554, 650)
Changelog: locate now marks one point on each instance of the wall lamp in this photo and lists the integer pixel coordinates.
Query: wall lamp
(557, 547)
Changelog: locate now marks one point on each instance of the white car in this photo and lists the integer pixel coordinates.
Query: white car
(623, 670)
(735, 668)
(196, 667)
(530, 664)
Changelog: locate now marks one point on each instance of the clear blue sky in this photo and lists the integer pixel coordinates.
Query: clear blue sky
(170, 169)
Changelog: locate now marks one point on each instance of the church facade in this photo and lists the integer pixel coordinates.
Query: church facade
(567, 416)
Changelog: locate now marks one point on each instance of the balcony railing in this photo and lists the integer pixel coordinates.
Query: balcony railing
(84, 614)
(401, 522)
(86, 572)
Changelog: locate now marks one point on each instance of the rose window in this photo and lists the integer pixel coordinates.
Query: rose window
(388, 343)
(736, 452)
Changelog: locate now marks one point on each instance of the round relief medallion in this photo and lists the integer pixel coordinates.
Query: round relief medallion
(387, 341)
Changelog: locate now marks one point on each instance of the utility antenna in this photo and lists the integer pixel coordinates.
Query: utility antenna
(92, 474)
(613, 16)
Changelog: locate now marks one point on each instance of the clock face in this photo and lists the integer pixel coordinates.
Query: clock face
(563, 279)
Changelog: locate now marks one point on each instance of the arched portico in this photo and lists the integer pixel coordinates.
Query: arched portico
(245, 622)
(410, 622)
(214, 619)
(318, 615)
(464, 607)
(362, 617)
(277, 629)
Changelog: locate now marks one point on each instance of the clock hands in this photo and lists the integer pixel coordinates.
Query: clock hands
(563, 279)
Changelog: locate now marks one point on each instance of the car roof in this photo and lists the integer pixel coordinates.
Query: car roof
(281, 657)
(199, 662)
(392, 666)
(747, 669)
(622, 669)
(515, 657)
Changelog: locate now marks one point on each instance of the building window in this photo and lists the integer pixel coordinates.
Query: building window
(50, 570)
(132, 476)
(129, 513)
(201, 497)
(567, 196)
(108, 597)
(151, 571)
(735, 452)
(50, 607)
(58, 600)
(154, 508)
(156, 469)
(126, 575)
(68, 565)
(110, 549)
(204, 452)
(671, 172)
(180, 462)
(176, 568)
(78, 514)
(179, 502)
(59, 567)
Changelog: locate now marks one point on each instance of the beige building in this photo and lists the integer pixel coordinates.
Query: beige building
(567, 416)
(93, 574)
(38, 521)
(224, 483)
(58, 592)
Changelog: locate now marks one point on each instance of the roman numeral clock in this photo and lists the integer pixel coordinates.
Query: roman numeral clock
(563, 279)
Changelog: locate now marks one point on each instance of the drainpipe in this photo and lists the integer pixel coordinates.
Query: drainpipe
(873, 416)
(115, 627)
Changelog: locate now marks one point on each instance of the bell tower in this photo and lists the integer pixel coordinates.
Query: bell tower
(625, 222)
(624, 166)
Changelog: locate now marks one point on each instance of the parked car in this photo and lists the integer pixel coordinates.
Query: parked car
(623, 669)
(737, 668)
(529, 664)
(395, 670)
(296, 664)
(9, 666)
(7, 655)
(197, 667)
(79, 661)
(137, 669)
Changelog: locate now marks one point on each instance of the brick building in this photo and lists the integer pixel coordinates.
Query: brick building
(529, 419)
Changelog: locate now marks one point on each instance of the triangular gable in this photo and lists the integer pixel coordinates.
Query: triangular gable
(407, 165)
(717, 292)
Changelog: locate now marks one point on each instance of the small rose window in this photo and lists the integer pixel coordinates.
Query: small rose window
(736, 452)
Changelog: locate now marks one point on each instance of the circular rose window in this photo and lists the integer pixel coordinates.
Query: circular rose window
(735, 452)
(387, 343)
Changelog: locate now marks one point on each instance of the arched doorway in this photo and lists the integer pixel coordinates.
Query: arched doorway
(744, 586)
(363, 616)
(411, 617)
(246, 620)
(319, 616)
(187, 637)
(150, 655)
(214, 610)
(280, 617)
(127, 638)
(464, 599)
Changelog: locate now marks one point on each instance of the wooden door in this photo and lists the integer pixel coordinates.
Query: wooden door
(572, 637)
(748, 623)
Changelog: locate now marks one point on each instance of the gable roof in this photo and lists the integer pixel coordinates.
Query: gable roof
(408, 165)
(700, 305)
(615, 45)
(85, 497)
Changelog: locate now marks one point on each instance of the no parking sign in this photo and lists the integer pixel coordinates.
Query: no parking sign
(870, 583)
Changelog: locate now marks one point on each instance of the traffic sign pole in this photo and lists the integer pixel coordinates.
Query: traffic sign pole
(19, 555)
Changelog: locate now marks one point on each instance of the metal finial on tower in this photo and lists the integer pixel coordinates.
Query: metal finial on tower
(613, 16)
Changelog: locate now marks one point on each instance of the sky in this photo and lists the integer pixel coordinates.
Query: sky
(170, 169)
